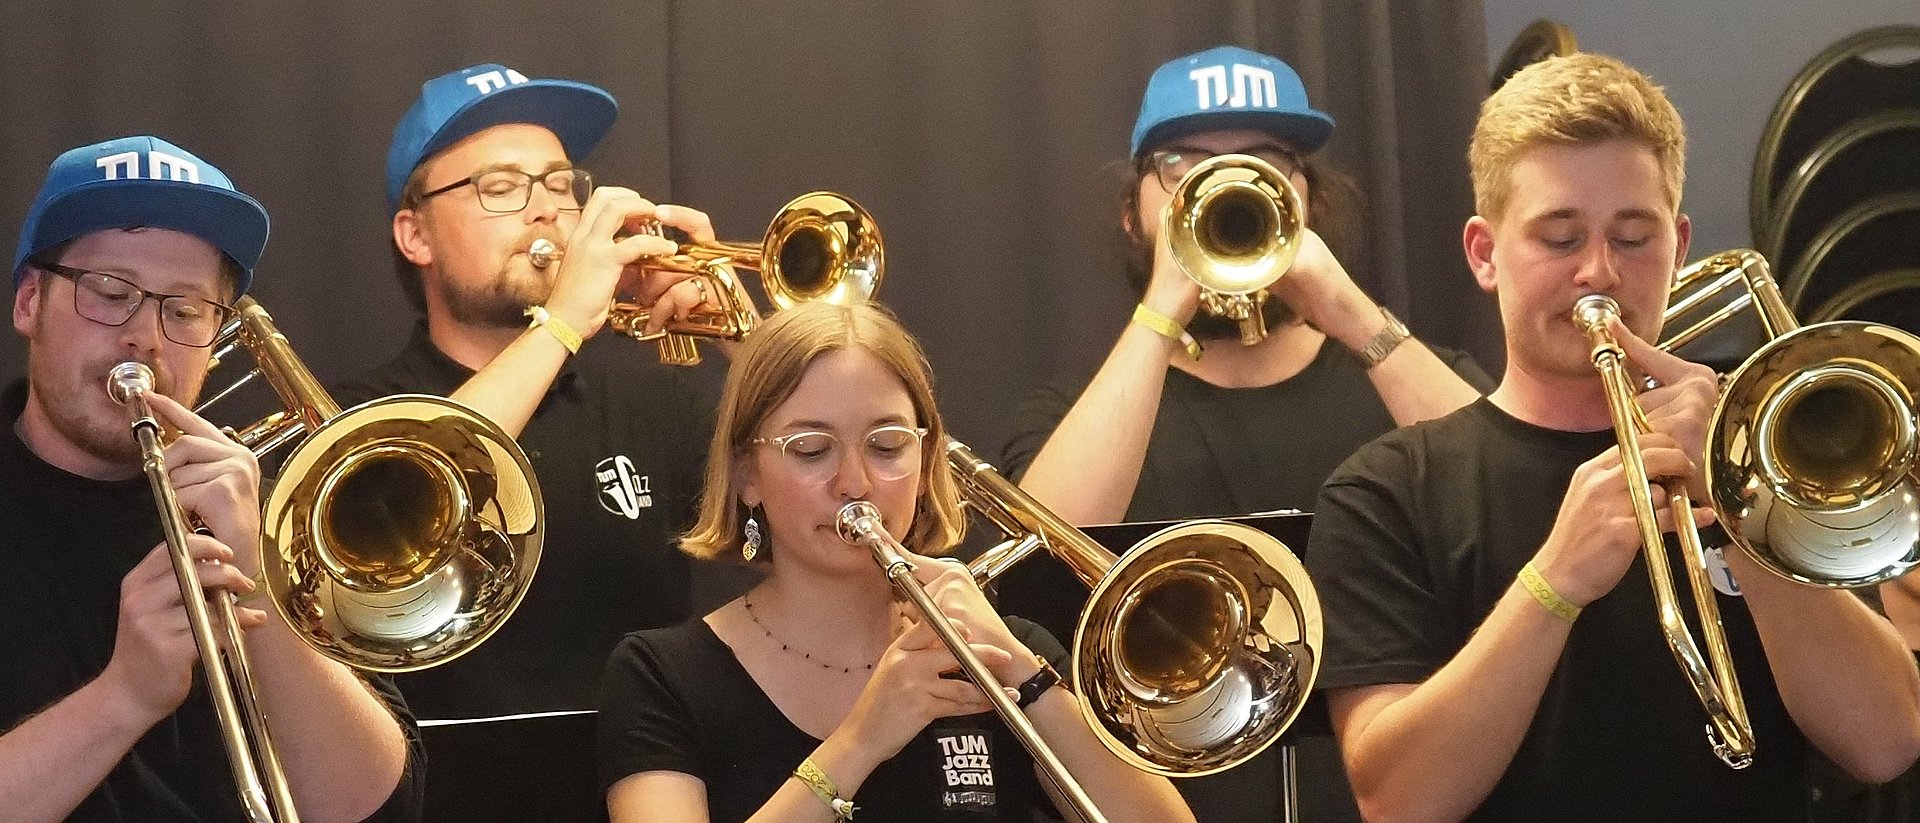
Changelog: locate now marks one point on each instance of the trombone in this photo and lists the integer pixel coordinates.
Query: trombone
(820, 246)
(859, 524)
(1197, 648)
(264, 794)
(1811, 451)
(1810, 460)
(1234, 226)
(400, 535)
(1729, 732)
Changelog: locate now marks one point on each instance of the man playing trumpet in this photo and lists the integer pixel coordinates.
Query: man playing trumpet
(481, 168)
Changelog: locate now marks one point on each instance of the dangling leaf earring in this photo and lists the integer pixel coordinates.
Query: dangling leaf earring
(751, 546)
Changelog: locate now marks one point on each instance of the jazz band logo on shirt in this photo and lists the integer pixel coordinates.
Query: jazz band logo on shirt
(491, 81)
(623, 491)
(160, 166)
(968, 766)
(1251, 86)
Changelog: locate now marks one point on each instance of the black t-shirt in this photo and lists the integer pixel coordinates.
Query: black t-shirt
(618, 444)
(678, 700)
(1221, 451)
(68, 542)
(1419, 535)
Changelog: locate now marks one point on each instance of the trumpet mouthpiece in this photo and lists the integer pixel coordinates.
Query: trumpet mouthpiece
(129, 379)
(542, 253)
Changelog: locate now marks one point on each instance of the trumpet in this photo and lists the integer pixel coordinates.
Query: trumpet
(820, 246)
(1234, 227)
(1197, 648)
(400, 535)
(858, 523)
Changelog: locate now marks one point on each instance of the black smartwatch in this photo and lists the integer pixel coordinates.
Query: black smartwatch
(1037, 685)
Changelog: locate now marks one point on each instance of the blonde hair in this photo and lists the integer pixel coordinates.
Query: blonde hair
(767, 370)
(1578, 99)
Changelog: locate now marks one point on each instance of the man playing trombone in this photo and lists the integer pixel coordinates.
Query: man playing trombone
(106, 719)
(481, 167)
(1491, 659)
(1182, 420)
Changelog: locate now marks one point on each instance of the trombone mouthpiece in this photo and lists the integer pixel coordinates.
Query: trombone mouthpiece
(542, 253)
(854, 519)
(129, 379)
(1593, 310)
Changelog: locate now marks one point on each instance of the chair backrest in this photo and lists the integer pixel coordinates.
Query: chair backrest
(1541, 39)
(1877, 235)
(1838, 85)
(1873, 155)
(1891, 297)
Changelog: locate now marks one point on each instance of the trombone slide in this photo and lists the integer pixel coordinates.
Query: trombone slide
(859, 524)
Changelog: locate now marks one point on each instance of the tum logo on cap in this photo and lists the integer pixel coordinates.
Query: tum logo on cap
(492, 81)
(1252, 86)
(160, 166)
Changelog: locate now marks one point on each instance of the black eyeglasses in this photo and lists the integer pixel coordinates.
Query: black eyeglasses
(1171, 164)
(112, 301)
(505, 191)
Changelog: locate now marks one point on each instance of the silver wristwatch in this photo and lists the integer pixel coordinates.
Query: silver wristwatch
(1383, 344)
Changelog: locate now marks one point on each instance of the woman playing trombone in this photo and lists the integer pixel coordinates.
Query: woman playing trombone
(814, 693)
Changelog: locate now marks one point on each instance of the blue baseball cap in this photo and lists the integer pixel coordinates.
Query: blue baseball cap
(142, 181)
(457, 104)
(1227, 87)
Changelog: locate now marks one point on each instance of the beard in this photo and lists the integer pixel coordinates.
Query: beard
(502, 301)
(76, 403)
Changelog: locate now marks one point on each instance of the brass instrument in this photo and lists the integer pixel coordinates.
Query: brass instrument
(264, 794)
(1730, 733)
(400, 534)
(859, 524)
(1197, 648)
(1811, 449)
(1234, 226)
(1809, 465)
(820, 246)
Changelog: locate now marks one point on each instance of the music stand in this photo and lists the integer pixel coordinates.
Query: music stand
(522, 767)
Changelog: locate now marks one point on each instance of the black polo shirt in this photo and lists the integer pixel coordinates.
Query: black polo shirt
(618, 444)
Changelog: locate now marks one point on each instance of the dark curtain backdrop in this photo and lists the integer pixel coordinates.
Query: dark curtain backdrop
(987, 137)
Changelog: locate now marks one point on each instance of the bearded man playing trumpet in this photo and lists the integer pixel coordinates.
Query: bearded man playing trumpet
(1192, 415)
(1493, 651)
(481, 169)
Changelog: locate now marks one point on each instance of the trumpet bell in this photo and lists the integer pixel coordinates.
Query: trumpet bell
(1198, 648)
(822, 246)
(1811, 456)
(402, 533)
(1234, 224)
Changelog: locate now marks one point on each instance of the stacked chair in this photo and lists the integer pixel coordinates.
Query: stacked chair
(1835, 196)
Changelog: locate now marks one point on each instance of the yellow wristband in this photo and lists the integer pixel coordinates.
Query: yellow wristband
(1164, 326)
(810, 775)
(556, 327)
(1542, 591)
